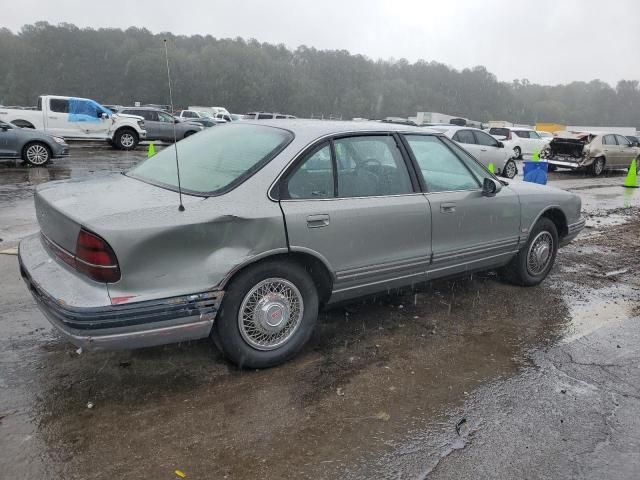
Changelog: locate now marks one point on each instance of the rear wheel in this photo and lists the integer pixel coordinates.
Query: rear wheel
(597, 167)
(510, 170)
(36, 154)
(534, 261)
(517, 153)
(125, 139)
(267, 315)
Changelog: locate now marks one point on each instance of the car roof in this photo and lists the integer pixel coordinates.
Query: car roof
(454, 128)
(320, 128)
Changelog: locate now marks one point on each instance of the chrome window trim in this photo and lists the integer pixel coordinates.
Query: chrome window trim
(334, 135)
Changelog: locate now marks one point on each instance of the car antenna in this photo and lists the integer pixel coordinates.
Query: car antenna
(175, 137)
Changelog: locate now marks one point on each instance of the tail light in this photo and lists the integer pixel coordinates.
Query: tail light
(95, 258)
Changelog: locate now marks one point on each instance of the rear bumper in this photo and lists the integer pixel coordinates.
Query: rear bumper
(117, 327)
(573, 164)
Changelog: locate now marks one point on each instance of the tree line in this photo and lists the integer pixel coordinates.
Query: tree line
(115, 66)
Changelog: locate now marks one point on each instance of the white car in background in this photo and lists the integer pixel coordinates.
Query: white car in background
(522, 141)
(485, 148)
(545, 135)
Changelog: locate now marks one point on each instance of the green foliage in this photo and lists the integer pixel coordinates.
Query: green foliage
(119, 67)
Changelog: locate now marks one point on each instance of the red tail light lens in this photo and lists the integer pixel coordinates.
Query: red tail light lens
(95, 258)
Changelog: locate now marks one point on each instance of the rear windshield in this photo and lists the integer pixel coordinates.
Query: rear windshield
(214, 160)
(499, 131)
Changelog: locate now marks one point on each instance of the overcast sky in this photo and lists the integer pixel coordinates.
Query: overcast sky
(545, 41)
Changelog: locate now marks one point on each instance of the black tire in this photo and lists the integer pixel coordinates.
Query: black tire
(518, 271)
(125, 139)
(36, 154)
(597, 167)
(510, 169)
(517, 153)
(552, 168)
(234, 340)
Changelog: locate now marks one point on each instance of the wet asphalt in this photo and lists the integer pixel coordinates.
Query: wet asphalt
(468, 378)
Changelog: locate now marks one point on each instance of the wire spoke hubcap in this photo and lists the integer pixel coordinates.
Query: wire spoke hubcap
(270, 313)
(539, 254)
(37, 154)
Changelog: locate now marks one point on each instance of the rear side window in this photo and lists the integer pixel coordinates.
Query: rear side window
(608, 140)
(370, 166)
(313, 178)
(464, 136)
(521, 133)
(215, 160)
(264, 116)
(59, 105)
(441, 169)
(504, 132)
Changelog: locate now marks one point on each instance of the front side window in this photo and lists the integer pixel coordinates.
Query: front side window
(370, 166)
(441, 169)
(623, 141)
(534, 135)
(215, 160)
(485, 140)
(313, 178)
(264, 116)
(464, 136)
(164, 117)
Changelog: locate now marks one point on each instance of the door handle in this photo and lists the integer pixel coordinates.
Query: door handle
(483, 149)
(317, 221)
(54, 118)
(447, 207)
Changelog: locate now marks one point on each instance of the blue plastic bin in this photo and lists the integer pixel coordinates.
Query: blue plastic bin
(535, 172)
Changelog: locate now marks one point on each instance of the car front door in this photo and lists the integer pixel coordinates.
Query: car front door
(469, 230)
(354, 203)
(627, 152)
(165, 125)
(8, 141)
(490, 150)
(611, 150)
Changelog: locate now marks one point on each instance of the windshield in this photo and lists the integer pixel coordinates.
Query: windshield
(214, 160)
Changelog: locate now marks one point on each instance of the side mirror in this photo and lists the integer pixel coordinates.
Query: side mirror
(500, 145)
(4, 128)
(175, 120)
(104, 116)
(490, 187)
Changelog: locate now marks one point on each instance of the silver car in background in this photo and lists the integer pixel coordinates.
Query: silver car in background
(484, 147)
(280, 218)
(161, 125)
(34, 147)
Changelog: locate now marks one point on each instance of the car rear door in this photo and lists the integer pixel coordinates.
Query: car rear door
(469, 230)
(57, 118)
(355, 203)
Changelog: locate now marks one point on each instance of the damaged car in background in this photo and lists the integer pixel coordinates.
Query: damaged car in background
(593, 151)
(278, 219)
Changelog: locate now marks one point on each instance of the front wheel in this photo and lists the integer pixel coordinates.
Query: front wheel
(510, 170)
(534, 261)
(597, 167)
(267, 315)
(36, 154)
(125, 139)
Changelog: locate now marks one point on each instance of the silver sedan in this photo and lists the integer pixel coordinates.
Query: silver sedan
(277, 219)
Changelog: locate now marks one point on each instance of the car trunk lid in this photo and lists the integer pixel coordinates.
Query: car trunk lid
(64, 207)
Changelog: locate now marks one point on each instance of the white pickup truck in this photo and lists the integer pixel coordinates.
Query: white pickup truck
(79, 119)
